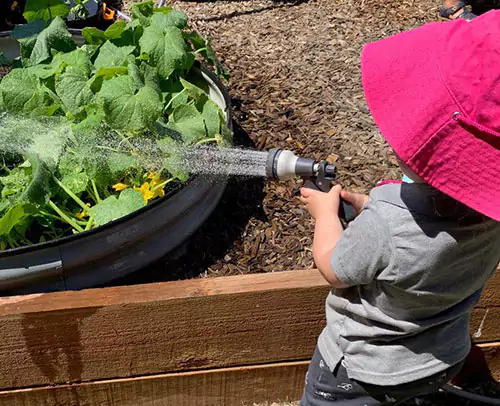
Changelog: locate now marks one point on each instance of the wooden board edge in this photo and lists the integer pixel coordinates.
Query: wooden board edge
(225, 386)
(162, 291)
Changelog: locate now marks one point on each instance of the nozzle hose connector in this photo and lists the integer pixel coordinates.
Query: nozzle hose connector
(283, 165)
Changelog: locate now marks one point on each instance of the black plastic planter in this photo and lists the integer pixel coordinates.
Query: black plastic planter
(122, 246)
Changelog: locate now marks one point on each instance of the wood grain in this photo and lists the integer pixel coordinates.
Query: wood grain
(159, 328)
(188, 325)
(224, 387)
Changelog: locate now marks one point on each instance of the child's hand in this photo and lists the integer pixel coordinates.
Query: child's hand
(320, 204)
(357, 200)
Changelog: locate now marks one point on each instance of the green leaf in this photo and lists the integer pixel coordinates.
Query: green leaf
(173, 19)
(111, 55)
(115, 30)
(26, 35)
(45, 10)
(128, 108)
(14, 216)
(119, 163)
(166, 48)
(42, 104)
(143, 11)
(76, 59)
(55, 37)
(211, 117)
(113, 208)
(38, 191)
(73, 88)
(76, 182)
(17, 88)
(206, 51)
(111, 72)
(193, 91)
(188, 121)
(94, 36)
(173, 161)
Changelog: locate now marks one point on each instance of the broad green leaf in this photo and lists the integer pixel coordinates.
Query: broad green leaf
(94, 118)
(113, 208)
(151, 77)
(143, 11)
(93, 36)
(43, 71)
(14, 216)
(173, 161)
(166, 48)
(76, 59)
(73, 88)
(111, 55)
(115, 30)
(188, 121)
(211, 117)
(45, 10)
(163, 9)
(38, 191)
(128, 108)
(175, 18)
(17, 88)
(119, 163)
(193, 91)
(41, 104)
(55, 37)
(26, 35)
(111, 72)
(76, 182)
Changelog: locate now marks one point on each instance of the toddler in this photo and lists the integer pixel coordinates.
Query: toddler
(409, 269)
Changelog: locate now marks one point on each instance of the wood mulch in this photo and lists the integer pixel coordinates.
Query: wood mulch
(295, 84)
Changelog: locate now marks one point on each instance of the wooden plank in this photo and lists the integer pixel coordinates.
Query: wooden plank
(224, 387)
(166, 327)
(159, 328)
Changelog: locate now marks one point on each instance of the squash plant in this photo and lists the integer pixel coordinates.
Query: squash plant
(80, 125)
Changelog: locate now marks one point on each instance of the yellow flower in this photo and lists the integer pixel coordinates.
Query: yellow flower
(119, 186)
(83, 213)
(158, 191)
(151, 175)
(146, 192)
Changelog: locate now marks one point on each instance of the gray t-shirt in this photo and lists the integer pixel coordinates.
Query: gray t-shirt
(414, 276)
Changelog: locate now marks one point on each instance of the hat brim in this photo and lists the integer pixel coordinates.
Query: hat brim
(413, 108)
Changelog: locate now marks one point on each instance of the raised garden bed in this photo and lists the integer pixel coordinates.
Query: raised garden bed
(237, 340)
(75, 177)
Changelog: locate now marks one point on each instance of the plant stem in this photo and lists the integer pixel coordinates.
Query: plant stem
(200, 50)
(94, 187)
(163, 184)
(172, 99)
(89, 223)
(71, 194)
(66, 218)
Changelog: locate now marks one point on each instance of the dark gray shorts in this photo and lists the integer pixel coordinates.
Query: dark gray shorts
(324, 388)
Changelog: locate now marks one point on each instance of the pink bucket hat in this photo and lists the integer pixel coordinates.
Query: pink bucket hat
(434, 93)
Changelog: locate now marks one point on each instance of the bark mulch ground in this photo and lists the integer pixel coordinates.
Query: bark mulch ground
(295, 83)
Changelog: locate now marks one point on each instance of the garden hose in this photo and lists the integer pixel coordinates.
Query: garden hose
(486, 400)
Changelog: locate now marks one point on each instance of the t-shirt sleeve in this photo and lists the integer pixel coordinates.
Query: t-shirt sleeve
(363, 250)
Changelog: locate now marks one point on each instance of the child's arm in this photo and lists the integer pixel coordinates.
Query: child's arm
(324, 207)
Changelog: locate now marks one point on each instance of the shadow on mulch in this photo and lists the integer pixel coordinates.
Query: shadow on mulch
(241, 201)
(279, 4)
